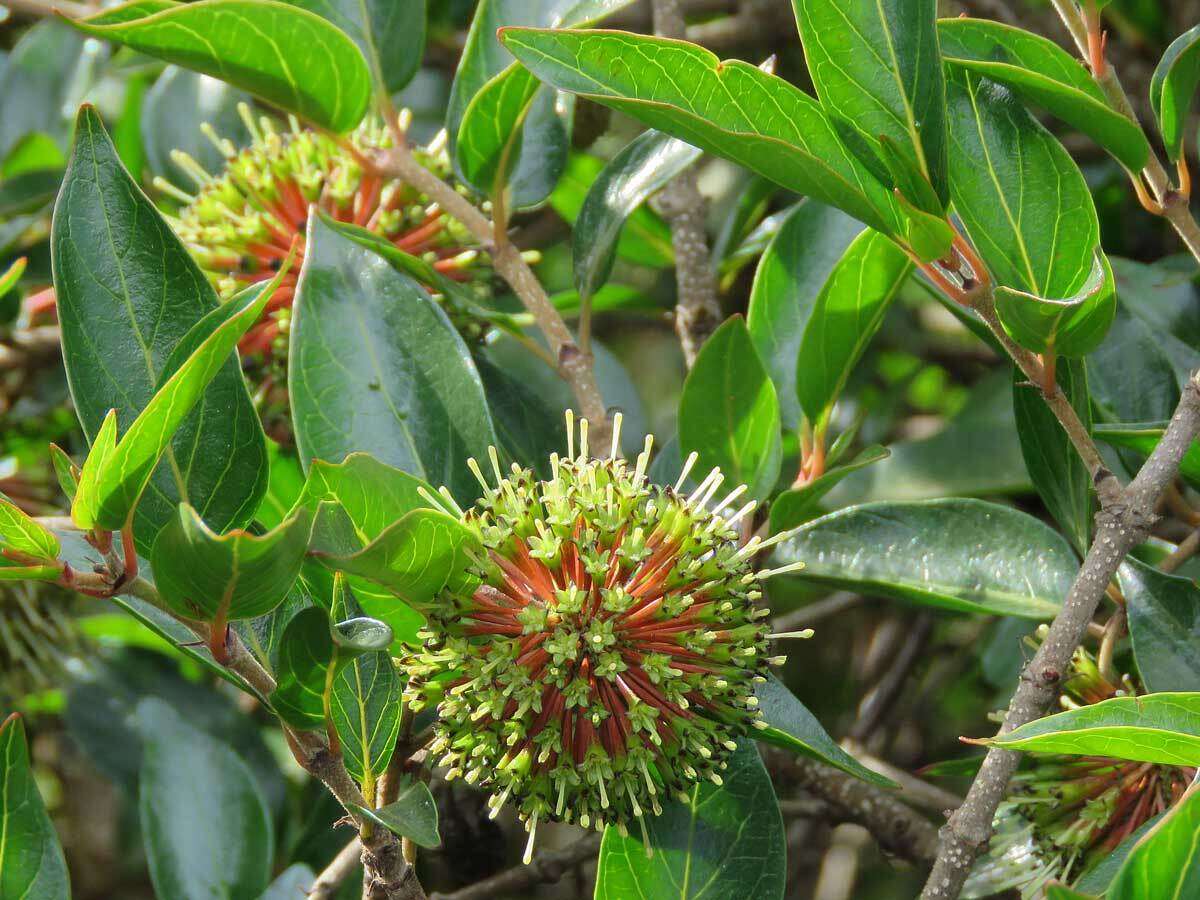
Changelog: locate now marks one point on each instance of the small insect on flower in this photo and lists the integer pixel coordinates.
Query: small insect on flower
(607, 654)
(239, 224)
(1067, 813)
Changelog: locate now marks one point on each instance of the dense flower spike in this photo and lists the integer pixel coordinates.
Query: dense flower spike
(607, 655)
(37, 637)
(1066, 813)
(239, 224)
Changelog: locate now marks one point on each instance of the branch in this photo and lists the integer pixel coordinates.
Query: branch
(1120, 527)
(697, 311)
(574, 364)
(545, 868)
(896, 828)
(328, 882)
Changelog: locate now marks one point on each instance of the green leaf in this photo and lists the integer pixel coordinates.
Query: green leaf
(205, 823)
(774, 128)
(1097, 879)
(1058, 474)
(529, 427)
(1166, 861)
(1071, 327)
(29, 192)
(293, 882)
(365, 708)
(390, 35)
(723, 843)
(115, 480)
(24, 534)
(798, 505)
(728, 412)
(1062, 892)
(353, 633)
(791, 726)
(306, 651)
(128, 292)
(370, 336)
(791, 274)
(1025, 205)
(65, 471)
(877, 69)
(964, 555)
(1143, 437)
(641, 168)
(287, 56)
(645, 238)
(847, 313)
(222, 577)
(175, 103)
(40, 86)
(415, 557)
(413, 815)
(1173, 87)
(1042, 73)
(1155, 728)
(1164, 625)
(31, 858)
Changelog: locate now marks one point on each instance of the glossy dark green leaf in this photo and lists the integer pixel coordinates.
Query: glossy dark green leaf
(878, 72)
(413, 815)
(306, 651)
(40, 84)
(728, 412)
(31, 858)
(724, 843)
(1154, 728)
(964, 555)
(1097, 879)
(641, 168)
(214, 812)
(285, 55)
(415, 557)
(376, 366)
(175, 104)
(1173, 88)
(365, 708)
(791, 274)
(1164, 624)
(528, 426)
(1058, 474)
(1024, 202)
(798, 505)
(390, 35)
(1166, 861)
(29, 192)
(128, 292)
(236, 575)
(776, 129)
(791, 726)
(293, 882)
(1040, 72)
(1071, 326)
(645, 238)
(112, 480)
(845, 316)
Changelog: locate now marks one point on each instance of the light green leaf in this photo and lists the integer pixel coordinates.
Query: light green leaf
(287, 56)
(798, 505)
(793, 270)
(1166, 861)
(1173, 87)
(413, 815)
(1072, 327)
(31, 858)
(964, 555)
(1042, 73)
(640, 169)
(1154, 728)
(1143, 437)
(728, 412)
(878, 72)
(772, 128)
(222, 577)
(791, 726)
(724, 843)
(24, 534)
(845, 317)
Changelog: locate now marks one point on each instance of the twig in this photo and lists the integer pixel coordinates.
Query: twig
(545, 868)
(1185, 551)
(574, 365)
(836, 603)
(343, 865)
(897, 829)
(697, 311)
(914, 791)
(882, 696)
(1120, 527)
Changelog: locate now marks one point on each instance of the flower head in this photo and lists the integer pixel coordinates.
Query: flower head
(607, 654)
(1066, 813)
